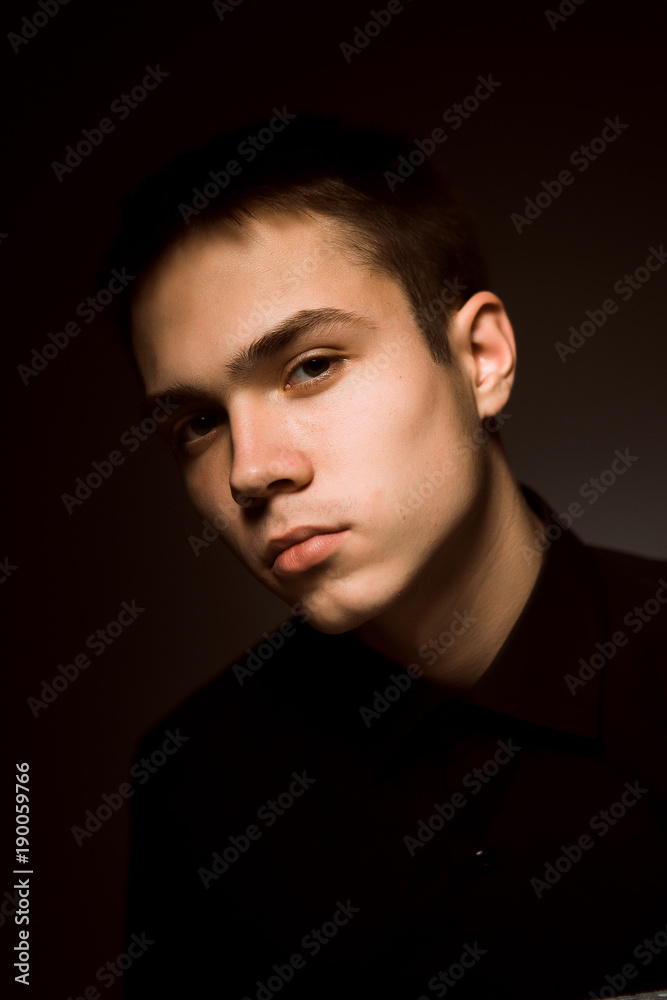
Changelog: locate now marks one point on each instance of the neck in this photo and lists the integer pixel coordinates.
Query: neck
(454, 622)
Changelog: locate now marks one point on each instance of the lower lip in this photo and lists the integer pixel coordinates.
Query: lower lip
(305, 555)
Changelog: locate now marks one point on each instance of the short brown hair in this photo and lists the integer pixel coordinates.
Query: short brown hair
(411, 228)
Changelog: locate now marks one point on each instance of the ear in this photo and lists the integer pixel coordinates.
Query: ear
(482, 341)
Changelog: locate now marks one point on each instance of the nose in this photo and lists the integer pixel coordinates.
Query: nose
(267, 458)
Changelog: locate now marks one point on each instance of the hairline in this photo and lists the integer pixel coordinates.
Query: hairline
(338, 233)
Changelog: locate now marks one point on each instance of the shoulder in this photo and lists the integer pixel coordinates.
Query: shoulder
(634, 649)
(618, 565)
(268, 690)
(242, 739)
(632, 658)
(636, 588)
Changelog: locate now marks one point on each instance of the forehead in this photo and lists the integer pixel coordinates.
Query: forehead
(225, 264)
(215, 292)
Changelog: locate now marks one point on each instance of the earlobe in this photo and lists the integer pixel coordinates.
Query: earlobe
(485, 341)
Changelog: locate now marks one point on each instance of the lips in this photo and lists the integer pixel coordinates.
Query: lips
(302, 548)
(293, 537)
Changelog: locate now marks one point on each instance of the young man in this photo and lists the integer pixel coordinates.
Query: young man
(447, 767)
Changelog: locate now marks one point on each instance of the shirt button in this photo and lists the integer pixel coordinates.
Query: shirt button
(483, 858)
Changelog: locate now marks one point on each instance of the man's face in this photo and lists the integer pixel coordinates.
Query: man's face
(345, 424)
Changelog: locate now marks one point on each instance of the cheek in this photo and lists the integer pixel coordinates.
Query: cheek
(207, 484)
(406, 442)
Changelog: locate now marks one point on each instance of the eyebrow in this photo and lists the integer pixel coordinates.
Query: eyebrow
(243, 365)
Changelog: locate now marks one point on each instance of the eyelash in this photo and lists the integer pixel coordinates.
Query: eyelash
(316, 379)
(181, 440)
(331, 370)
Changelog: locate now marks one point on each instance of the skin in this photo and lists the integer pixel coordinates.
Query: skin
(352, 449)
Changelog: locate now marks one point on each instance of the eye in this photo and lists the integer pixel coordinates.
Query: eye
(317, 367)
(197, 427)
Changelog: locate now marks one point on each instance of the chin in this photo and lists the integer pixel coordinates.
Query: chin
(331, 618)
(333, 610)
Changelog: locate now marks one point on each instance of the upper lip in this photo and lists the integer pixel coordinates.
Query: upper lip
(293, 537)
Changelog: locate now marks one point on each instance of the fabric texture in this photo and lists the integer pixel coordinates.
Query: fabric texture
(332, 826)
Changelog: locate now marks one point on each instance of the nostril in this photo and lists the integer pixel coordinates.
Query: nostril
(243, 500)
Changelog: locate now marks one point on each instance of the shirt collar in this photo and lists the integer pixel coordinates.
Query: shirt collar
(564, 617)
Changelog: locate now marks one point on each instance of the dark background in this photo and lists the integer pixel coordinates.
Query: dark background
(130, 538)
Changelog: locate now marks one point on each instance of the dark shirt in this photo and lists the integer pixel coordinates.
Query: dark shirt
(330, 826)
